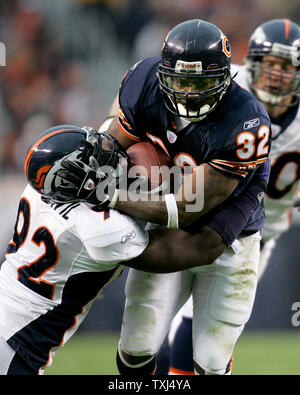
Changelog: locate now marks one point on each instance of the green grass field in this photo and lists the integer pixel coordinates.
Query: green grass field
(264, 353)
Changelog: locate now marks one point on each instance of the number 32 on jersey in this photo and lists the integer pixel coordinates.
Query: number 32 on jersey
(250, 146)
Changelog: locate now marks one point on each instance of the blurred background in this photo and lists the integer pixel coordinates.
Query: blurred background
(64, 63)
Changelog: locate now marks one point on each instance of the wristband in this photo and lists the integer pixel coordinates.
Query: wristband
(114, 199)
(172, 211)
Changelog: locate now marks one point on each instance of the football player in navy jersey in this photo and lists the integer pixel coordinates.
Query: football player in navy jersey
(187, 102)
(272, 72)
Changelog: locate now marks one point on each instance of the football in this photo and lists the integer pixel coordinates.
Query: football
(149, 160)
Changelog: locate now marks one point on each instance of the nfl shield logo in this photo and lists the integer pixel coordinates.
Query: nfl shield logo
(89, 185)
(172, 137)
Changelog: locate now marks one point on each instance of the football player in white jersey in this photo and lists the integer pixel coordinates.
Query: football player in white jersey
(271, 71)
(64, 251)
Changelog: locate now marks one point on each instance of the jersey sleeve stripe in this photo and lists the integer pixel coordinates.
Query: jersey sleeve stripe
(135, 138)
(238, 164)
(125, 126)
(232, 171)
(123, 119)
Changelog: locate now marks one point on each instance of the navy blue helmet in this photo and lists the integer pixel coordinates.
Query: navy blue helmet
(89, 149)
(194, 72)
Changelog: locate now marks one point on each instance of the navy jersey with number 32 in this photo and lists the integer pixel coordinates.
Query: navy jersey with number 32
(234, 139)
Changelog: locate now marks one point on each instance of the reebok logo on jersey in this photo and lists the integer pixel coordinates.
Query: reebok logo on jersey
(129, 236)
(251, 124)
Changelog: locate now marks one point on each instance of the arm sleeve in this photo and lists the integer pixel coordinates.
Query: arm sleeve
(247, 149)
(118, 252)
(111, 236)
(134, 93)
(129, 95)
(231, 220)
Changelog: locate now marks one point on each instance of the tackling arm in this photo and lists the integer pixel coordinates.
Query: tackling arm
(171, 250)
(165, 254)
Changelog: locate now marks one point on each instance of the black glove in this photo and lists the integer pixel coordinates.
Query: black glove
(79, 181)
(82, 182)
(94, 173)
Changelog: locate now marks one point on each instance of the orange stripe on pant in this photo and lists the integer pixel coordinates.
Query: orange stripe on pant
(180, 371)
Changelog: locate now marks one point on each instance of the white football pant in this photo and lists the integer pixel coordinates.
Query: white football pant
(223, 296)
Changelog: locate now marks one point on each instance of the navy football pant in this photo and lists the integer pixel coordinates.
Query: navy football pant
(177, 359)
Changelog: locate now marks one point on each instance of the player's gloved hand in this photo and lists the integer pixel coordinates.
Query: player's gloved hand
(79, 181)
(82, 182)
(98, 181)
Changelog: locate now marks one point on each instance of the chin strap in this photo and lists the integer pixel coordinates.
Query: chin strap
(268, 97)
(203, 110)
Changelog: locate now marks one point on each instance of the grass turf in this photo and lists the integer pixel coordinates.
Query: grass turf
(264, 353)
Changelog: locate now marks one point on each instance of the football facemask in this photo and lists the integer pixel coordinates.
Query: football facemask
(193, 96)
(271, 85)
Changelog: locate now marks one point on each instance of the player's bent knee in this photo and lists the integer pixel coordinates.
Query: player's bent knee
(214, 348)
(140, 335)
